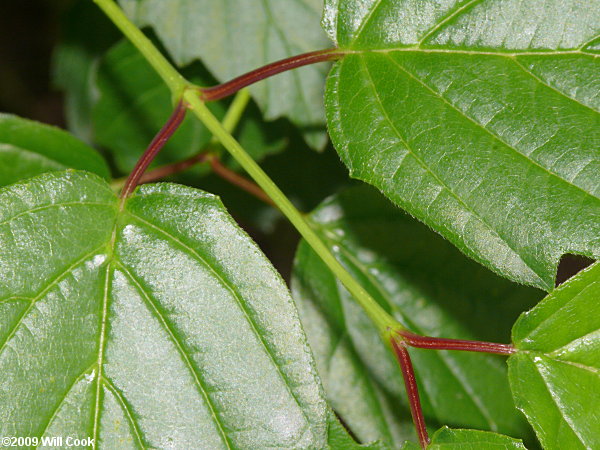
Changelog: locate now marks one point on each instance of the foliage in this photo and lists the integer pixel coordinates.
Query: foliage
(156, 321)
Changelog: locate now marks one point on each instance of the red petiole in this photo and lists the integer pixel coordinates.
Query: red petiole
(433, 343)
(231, 87)
(410, 383)
(155, 146)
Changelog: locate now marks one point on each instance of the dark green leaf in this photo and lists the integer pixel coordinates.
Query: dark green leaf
(28, 148)
(479, 118)
(160, 325)
(431, 288)
(555, 377)
(236, 36)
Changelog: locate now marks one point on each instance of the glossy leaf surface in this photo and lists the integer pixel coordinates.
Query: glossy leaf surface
(236, 36)
(28, 148)
(555, 377)
(479, 118)
(428, 286)
(161, 325)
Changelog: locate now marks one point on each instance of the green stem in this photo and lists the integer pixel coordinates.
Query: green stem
(382, 319)
(167, 72)
(181, 89)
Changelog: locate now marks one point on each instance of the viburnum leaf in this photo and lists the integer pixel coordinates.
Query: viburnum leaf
(555, 377)
(429, 286)
(449, 439)
(480, 118)
(28, 148)
(233, 37)
(160, 325)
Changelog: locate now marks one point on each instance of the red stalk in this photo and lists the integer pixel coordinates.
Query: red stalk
(231, 87)
(155, 146)
(410, 383)
(415, 340)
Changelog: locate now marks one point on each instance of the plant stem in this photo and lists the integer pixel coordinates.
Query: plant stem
(380, 317)
(415, 340)
(230, 87)
(410, 383)
(155, 146)
(167, 72)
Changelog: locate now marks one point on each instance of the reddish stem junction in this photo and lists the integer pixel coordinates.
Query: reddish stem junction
(407, 338)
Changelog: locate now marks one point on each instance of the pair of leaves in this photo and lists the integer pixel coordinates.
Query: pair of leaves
(479, 118)
(236, 36)
(157, 325)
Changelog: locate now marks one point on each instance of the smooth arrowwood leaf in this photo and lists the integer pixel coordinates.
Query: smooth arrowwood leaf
(28, 148)
(555, 377)
(479, 118)
(159, 325)
(427, 285)
(450, 439)
(235, 36)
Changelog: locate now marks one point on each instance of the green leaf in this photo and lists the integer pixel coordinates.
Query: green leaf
(446, 438)
(161, 325)
(133, 105)
(28, 148)
(427, 285)
(555, 377)
(237, 36)
(478, 118)
(338, 437)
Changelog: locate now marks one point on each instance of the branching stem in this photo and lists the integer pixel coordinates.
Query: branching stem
(230, 87)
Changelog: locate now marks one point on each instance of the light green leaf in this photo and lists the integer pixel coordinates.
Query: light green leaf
(479, 118)
(28, 148)
(233, 37)
(446, 438)
(428, 286)
(161, 325)
(555, 377)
